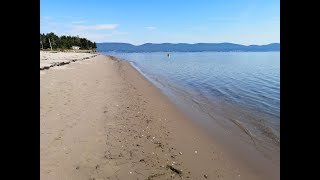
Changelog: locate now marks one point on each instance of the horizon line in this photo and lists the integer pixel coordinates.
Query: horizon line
(192, 43)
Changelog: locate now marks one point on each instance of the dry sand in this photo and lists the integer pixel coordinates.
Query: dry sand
(101, 119)
(50, 59)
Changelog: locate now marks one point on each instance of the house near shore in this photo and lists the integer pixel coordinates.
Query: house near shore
(75, 47)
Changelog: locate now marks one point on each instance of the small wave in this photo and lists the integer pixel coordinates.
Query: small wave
(244, 129)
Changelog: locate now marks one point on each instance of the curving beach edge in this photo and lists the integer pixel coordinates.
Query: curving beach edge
(101, 119)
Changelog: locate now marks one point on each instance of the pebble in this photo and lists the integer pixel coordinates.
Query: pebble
(196, 152)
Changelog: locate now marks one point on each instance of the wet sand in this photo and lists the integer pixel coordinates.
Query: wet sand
(101, 119)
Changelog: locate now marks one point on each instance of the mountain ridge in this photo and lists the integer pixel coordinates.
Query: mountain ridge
(185, 47)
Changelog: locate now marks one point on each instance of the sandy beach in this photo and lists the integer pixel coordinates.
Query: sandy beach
(49, 59)
(101, 119)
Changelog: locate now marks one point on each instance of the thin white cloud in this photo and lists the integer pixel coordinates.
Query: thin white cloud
(94, 32)
(150, 28)
(96, 27)
(105, 26)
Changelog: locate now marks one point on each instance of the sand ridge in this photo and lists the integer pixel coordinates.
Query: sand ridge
(53, 59)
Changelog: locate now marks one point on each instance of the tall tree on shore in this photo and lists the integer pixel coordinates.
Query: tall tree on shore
(65, 42)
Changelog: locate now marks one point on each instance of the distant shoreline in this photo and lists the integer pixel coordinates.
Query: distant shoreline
(185, 51)
(184, 47)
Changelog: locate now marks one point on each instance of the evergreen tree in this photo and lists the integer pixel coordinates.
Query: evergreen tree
(65, 42)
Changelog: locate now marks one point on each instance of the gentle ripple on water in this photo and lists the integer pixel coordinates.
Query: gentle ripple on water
(246, 83)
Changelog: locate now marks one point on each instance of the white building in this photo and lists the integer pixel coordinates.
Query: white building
(75, 47)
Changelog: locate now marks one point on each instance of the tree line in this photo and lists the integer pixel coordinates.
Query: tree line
(64, 42)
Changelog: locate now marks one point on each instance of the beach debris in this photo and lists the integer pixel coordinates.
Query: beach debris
(142, 160)
(153, 137)
(205, 176)
(159, 144)
(180, 153)
(196, 152)
(173, 156)
(174, 169)
(154, 175)
(130, 172)
(77, 167)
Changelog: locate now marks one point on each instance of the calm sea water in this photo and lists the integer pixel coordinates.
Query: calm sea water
(217, 88)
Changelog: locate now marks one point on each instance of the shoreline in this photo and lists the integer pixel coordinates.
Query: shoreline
(223, 127)
(240, 146)
(115, 123)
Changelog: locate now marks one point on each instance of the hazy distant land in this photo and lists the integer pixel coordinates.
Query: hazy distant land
(184, 47)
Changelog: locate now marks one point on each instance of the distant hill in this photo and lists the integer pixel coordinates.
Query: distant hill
(184, 47)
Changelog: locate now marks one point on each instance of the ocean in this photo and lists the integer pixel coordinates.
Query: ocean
(233, 95)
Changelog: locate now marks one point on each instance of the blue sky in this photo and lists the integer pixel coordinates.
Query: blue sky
(158, 21)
